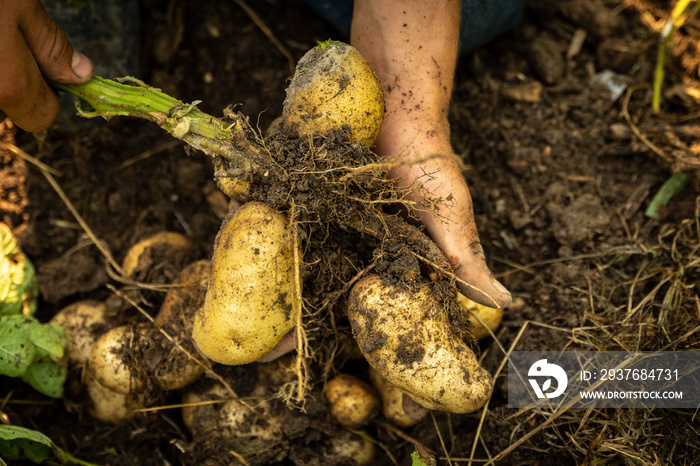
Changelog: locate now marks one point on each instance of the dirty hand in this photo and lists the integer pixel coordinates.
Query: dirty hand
(412, 47)
(34, 48)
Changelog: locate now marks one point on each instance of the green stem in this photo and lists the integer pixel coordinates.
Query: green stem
(107, 98)
(675, 21)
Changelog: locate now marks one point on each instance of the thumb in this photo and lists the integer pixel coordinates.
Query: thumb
(51, 48)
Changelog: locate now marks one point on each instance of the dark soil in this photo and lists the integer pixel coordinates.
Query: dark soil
(560, 183)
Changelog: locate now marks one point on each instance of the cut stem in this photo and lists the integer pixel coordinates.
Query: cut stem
(213, 136)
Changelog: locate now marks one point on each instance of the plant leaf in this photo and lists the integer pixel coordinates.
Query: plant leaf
(46, 376)
(17, 352)
(33, 351)
(19, 443)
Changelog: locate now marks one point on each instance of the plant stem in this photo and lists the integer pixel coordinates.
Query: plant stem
(229, 144)
(107, 98)
(674, 22)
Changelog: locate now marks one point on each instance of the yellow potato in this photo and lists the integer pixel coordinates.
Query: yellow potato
(491, 317)
(111, 406)
(84, 322)
(248, 307)
(353, 403)
(160, 246)
(351, 445)
(392, 401)
(403, 337)
(111, 360)
(334, 89)
(175, 369)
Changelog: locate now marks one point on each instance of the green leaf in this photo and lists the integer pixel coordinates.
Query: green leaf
(33, 351)
(672, 186)
(20, 443)
(46, 376)
(416, 460)
(49, 339)
(17, 352)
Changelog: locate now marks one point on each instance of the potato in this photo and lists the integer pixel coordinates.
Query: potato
(111, 406)
(333, 89)
(84, 322)
(253, 428)
(491, 317)
(249, 301)
(353, 403)
(392, 401)
(144, 255)
(111, 360)
(172, 368)
(403, 337)
(351, 445)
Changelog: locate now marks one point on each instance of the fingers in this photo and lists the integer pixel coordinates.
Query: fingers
(51, 48)
(287, 344)
(34, 48)
(450, 223)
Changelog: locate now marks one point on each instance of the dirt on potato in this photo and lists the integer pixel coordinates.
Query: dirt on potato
(561, 169)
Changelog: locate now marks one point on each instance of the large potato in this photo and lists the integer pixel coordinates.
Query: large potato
(404, 338)
(334, 89)
(248, 306)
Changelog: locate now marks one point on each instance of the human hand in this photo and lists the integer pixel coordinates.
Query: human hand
(34, 48)
(413, 51)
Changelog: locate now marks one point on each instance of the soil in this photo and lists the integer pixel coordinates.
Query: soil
(561, 170)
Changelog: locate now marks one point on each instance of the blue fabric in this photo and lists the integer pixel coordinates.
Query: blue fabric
(481, 20)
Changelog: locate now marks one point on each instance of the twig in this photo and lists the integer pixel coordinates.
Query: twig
(266, 30)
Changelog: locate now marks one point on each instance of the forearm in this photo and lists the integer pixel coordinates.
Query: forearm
(412, 46)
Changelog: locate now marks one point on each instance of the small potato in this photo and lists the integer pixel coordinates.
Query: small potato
(249, 301)
(111, 406)
(146, 253)
(392, 401)
(334, 89)
(353, 403)
(173, 368)
(491, 317)
(402, 335)
(351, 445)
(84, 322)
(111, 360)
(253, 428)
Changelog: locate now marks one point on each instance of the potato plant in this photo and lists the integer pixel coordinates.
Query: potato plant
(312, 225)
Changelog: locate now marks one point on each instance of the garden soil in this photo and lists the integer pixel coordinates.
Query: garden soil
(562, 153)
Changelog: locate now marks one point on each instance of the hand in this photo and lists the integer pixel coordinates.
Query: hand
(412, 47)
(448, 215)
(34, 48)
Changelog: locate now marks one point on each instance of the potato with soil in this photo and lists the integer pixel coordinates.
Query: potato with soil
(353, 403)
(131, 363)
(249, 300)
(250, 421)
(84, 322)
(406, 339)
(334, 89)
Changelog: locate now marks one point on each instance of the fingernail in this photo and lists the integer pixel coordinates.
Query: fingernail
(81, 65)
(496, 284)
